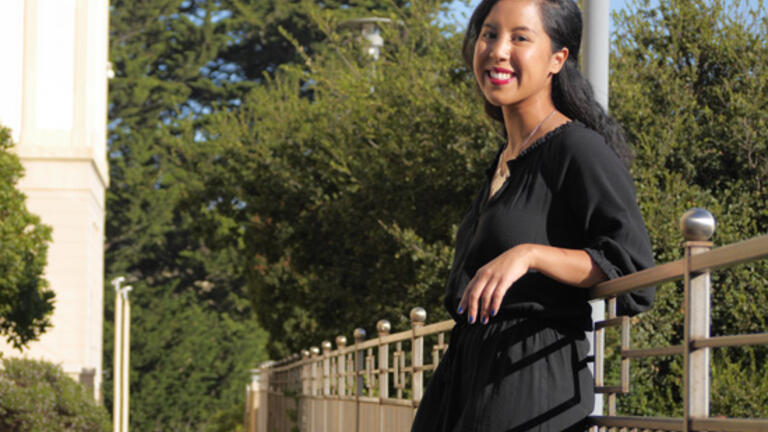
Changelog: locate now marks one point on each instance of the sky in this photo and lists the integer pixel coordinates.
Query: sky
(462, 12)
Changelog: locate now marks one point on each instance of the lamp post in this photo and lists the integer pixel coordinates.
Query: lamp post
(121, 358)
(369, 28)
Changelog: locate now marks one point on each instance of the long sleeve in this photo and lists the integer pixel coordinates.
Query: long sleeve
(601, 195)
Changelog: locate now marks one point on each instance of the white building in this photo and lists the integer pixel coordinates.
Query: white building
(53, 96)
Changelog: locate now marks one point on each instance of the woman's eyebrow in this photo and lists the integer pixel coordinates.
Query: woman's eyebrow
(518, 28)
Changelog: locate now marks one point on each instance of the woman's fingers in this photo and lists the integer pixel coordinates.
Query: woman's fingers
(471, 296)
(498, 296)
(484, 293)
(469, 300)
(479, 296)
(489, 293)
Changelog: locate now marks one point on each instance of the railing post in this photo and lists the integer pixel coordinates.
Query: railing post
(315, 353)
(418, 318)
(341, 369)
(306, 384)
(262, 414)
(306, 391)
(383, 327)
(314, 400)
(359, 334)
(326, 367)
(253, 403)
(697, 226)
(326, 382)
(611, 396)
(341, 343)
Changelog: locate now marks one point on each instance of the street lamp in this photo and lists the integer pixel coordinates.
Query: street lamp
(369, 28)
(121, 360)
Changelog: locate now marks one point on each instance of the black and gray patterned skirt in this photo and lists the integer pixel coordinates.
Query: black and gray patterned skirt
(522, 374)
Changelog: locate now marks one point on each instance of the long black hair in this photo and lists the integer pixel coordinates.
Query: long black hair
(571, 93)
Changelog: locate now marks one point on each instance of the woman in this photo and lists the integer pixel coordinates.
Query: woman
(555, 215)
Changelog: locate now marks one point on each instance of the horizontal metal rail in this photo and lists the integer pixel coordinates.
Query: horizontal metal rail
(737, 253)
(676, 424)
(386, 373)
(731, 341)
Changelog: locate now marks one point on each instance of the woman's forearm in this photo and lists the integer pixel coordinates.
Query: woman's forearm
(570, 266)
(485, 292)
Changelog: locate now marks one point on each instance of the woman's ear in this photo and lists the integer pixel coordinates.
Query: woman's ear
(558, 60)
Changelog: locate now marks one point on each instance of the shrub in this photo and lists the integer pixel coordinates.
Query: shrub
(38, 396)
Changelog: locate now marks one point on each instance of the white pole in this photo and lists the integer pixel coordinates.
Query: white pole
(125, 386)
(117, 357)
(596, 47)
(596, 65)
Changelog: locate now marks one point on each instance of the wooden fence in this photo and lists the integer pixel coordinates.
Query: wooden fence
(376, 384)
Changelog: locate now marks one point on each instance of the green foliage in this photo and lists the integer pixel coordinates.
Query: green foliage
(193, 334)
(690, 86)
(183, 354)
(26, 302)
(176, 217)
(356, 174)
(36, 396)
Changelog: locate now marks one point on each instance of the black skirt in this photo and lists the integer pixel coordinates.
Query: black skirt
(523, 374)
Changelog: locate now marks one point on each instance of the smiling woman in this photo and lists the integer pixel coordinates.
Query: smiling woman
(555, 214)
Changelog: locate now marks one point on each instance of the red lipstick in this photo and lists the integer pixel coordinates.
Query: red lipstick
(500, 76)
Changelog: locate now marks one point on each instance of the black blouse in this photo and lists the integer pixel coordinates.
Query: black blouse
(570, 190)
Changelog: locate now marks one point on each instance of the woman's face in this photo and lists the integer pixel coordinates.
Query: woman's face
(513, 60)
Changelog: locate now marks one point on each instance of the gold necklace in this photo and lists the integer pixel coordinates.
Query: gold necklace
(502, 159)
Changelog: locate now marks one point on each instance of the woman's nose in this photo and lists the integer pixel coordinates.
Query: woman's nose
(500, 49)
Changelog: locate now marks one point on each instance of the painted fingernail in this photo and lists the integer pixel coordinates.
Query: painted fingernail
(485, 320)
(471, 319)
(461, 309)
(493, 312)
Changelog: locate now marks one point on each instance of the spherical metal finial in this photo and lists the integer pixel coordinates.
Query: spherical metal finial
(383, 326)
(418, 315)
(305, 354)
(314, 350)
(326, 344)
(697, 224)
(360, 334)
(341, 341)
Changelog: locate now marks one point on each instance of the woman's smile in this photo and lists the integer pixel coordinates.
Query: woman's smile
(500, 76)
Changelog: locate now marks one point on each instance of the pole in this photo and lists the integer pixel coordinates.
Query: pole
(596, 47)
(125, 384)
(117, 356)
(697, 226)
(595, 64)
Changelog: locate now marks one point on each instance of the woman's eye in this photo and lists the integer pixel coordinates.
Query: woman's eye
(488, 35)
(519, 38)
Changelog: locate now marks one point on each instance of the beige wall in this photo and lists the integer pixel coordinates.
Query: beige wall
(54, 98)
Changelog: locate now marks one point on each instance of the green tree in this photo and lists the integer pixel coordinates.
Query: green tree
(26, 302)
(689, 84)
(354, 192)
(184, 354)
(176, 220)
(193, 337)
(38, 396)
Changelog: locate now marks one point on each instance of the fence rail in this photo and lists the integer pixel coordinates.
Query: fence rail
(376, 384)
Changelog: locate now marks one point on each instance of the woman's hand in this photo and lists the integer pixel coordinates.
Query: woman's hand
(487, 288)
(491, 282)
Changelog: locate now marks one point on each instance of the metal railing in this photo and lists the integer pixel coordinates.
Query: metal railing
(376, 384)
